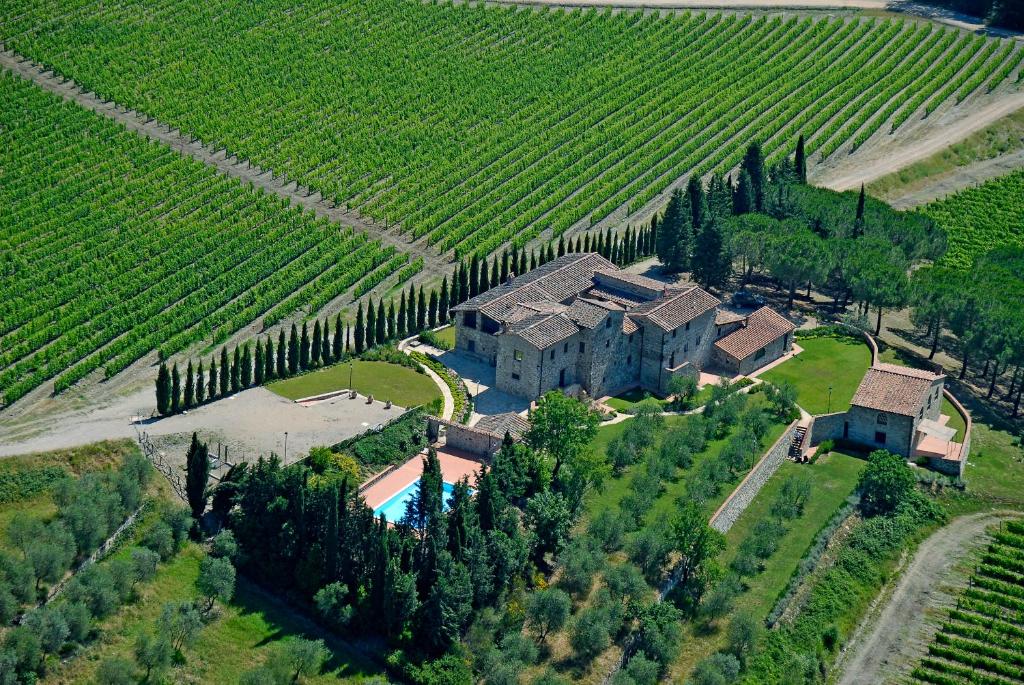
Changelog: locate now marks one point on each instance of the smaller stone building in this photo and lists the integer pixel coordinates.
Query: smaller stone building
(753, 341)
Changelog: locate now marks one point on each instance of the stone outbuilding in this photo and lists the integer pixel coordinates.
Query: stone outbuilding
(753, 341)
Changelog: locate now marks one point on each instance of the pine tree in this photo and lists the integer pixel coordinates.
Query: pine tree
(338, 343)
(189, 400)
(293, 351)
(282, 365)
(753, 164)
(304, 348)
(316, 346)
(163, 390)
(246, 366)
(325, 345)
(698, 203)
(410, 311)
(236, 371)
(711, 264)
(200, 384)
(360, 330)
(197, 475)
(474, 276)
(442, 302)
(432, 310)
(402, 316)
(743, 198)
(800, 162)
(392, 324)
(673, 248)
(371, 325)
(381, 333)
(175, 390)
(225, 372)
(259, 365)
(211, 391)
(485, 278)
(421, 311)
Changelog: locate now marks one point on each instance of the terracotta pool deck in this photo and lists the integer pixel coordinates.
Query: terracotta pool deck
(455, 465)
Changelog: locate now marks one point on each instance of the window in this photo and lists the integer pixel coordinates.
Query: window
(686, 348)
(551, 355)
(515, 376)
(760, 353)
(630, 338)
(882, 419)
(517, 355)
(608, 322)
(582, 347)
(920, 414)
(929, 401)
(565, 348)
(469, 319)
(719, 333)
(674, 331)
(880, 437)
(687, 325)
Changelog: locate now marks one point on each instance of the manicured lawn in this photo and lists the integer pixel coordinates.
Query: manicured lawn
(836, 362)
(447, 334)
(995, 467)
(955, 420)
(235, 641)
(402, 385)
(629, 399)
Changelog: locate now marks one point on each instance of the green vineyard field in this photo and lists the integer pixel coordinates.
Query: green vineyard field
(474, 126)
(982, 639)
(112, 246)
(979, 219)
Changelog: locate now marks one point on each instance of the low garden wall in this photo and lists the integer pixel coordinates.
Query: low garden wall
(744, 494)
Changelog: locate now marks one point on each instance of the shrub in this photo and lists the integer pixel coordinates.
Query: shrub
(429, 337)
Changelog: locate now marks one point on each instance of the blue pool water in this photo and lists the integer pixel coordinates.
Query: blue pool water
(394, 508)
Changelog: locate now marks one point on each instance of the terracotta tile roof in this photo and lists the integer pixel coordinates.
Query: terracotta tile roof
(672, 310)
(761, 328)
(894, 389)
(586, 314)
(610, 278)
(499, 424)
(629, 326)
(543, 330)
(618, 297)
(724, 316)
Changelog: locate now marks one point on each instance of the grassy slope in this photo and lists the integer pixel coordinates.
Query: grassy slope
(836, 362)
(447, 334)
(384, 381)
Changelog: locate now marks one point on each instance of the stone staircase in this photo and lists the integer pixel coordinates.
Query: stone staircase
(796, 446)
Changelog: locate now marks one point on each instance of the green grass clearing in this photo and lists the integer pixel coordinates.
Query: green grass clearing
(400, 384)
(838, 363)
(447, 334)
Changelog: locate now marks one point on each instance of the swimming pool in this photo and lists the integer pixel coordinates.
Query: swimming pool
(394, 507)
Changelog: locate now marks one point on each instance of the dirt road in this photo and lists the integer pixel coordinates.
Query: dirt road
(942, 185)
(888, 643)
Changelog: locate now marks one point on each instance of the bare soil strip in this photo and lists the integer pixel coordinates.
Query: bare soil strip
(889, 641)
(242, 170)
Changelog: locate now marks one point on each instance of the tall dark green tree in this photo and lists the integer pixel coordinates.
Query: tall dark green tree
(175, 390)
(197, 475)
(371, 325)
(392, 324)
(711, 262)
(474, 276)
(293, 351)
(163, 390)
(200, 383)
(432, 309)
(743, 201)
(259, 365)
(316, 346)
(421, 310)
(753, 164)
(698, 203)
(281, 359)
(402, 315)
(225, 372)
(360, 330)
(800, 160)
(269, 369)
(485, 279)
(673, 235)
(858, 222)
(304, 348)
(338, 343)
(442, 301)
(463, 283)
(236, 371)
(381, 331)
(190, 387)
(246, 375)
(212, 387)
(504, 266)
(325, 345)
(410, 311)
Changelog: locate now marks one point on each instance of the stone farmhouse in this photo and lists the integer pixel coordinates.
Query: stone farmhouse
(580, 323)
(898, 409)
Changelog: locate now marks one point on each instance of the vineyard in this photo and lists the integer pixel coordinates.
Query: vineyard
(112, 246)
(471, 126)
(982, 639)
(979, 219)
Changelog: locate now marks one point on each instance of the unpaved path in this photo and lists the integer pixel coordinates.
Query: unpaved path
(887, 643)
(941, 185)
(886, 159)
(242, 170)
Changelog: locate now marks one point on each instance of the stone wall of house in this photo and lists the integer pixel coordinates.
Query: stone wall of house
(899, 430)
(745, 492)
(772, 351)
(485, 345)
(465, 438)
(827, 427)
(692, 343)
(611, 359)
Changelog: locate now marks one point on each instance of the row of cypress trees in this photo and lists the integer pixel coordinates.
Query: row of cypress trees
(377, 324)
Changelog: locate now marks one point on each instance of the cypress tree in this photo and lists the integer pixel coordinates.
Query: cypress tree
(533, 260)
(608, 246)
(442, 301)
(360, 332)
(586, 243)
(380, 335)
(753, 164)
(269, 370)
(371, 325)
(346, 346)
(282, 367)
(800, 162)
(652, 239)
(719, 198)
(493, 281)
(743, 198)
(673, 240)
(522, 261)
(504, 267)
(325, 345)
(259, 365)
(474, 276)
(163, 390)
(304, 348)
(338, 344)
(432, 310)
(711, 263)
(599, 243)
(190, 387)
(561, 246)
(175, 390)
(392, 324)
(463, 284)
(421, 311)
(200, 384)
(212, 387)
(549, 254)
(236, 371)
(698, 202)
(246, 366)
(225, 372)
(197, 475)
(485, 279)
(293, 351)
(317, 344)
(861, 200)
(402, 315)
(410, 311)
